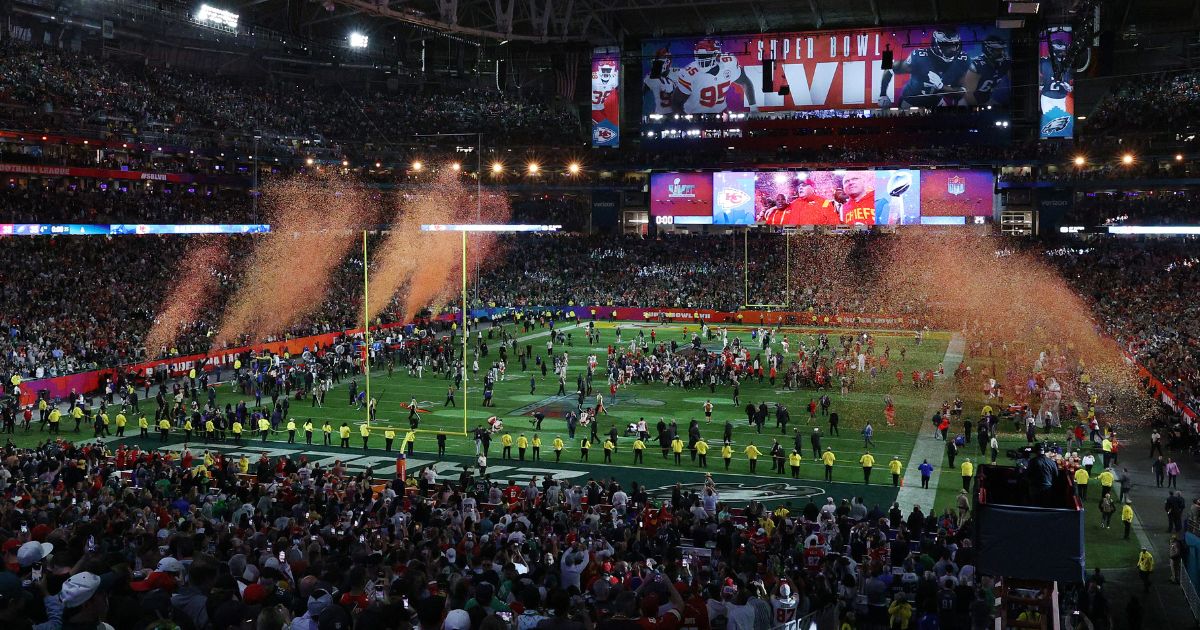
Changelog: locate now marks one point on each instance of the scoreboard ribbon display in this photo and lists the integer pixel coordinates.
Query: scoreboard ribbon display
(934, 66)
(606, 97)
(1056, 83)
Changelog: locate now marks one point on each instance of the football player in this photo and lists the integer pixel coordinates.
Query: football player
(987, 70)
(661, 89)
(701, 87)
(935, 73)
(604, 89)
(1055, 74)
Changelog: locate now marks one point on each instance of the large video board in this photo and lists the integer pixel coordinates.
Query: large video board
(821, 197)
(934, 66)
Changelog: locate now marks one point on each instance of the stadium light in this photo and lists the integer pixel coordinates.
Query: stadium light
(308, 162)
(345, 162)
(533, 168)
(455, 166)
(1080, 160)
(377, 165)
(417, 165)
(573, 168)
(358, 40)
(1127, 159)
(1178, 157)
(497, 168)
(217, 17)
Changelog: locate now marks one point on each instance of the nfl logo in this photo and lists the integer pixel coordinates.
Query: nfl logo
(956, 185)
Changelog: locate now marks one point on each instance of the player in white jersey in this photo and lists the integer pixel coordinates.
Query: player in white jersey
(604, 85)
(701, 87)
(783, 607)
(661, 89)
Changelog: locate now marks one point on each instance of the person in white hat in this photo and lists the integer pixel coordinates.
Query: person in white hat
(33, 552)
(84, 598)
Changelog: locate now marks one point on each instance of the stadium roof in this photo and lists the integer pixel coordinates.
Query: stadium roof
(615, 20)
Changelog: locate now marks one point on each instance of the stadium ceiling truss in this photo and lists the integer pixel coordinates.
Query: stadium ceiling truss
(614, 20)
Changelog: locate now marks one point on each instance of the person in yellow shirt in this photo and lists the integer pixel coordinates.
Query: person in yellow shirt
(677, 449)
(1127, 516)
(1145, 566)
(164, 429)
(558, 448)
(828, 458)
(308, 431)
(702, 452)
(895, 467)
(43, 412)
(1106, 447)
(121, 422)
(537, 447)
(727, 453)
(868, 462)
(103, 423)
(1081, 483)
(752, 454)
(1106, 482)
(264, 428)
(210, 430)
(968, 471)
(608, 450)
(187, 429)
(388, 437)
(327, 429)
(584, 445)
(244, 465)
(638, 447)
(506, 441)
(54, 417)
(236, 428)
(522, 445)
(344, 434)
(291, 429)
(364, 432)
(410, 441)
(794, 462)
(77, 416)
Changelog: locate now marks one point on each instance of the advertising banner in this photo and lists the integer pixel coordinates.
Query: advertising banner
(934, 66)
(109, 173)
(606, 97)
(681, 198)
(957, 193)
(1056, 83)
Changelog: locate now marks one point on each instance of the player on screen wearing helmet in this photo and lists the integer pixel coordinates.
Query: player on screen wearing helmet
(987, 71)
(784, 604)
(702, 85)
(935, 73)
(604, 89)
(661, 89)
(1055, 74)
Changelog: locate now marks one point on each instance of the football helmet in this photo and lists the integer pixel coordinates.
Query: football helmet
(663, 55)
(995, 48)
(707, 51)
(1058, 49)
(607, 70)
(947, 45)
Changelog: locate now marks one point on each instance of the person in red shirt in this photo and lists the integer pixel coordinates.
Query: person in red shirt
(695, 609)
(512, 494)
(638, 610)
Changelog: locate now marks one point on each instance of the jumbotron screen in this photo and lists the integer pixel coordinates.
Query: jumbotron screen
(822, 197)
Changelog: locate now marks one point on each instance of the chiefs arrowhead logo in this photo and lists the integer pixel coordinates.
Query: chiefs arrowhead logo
(730, 198)
(603, 135)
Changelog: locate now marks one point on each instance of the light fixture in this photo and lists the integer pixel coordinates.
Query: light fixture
(358, 40)
(377, 165)
(497, 168)
(345, 162)
(456, 167)
(1127, 159)
(417, 165)
(1080, 160)
(533, 168)
(1178, 157)
(308, 162)
(573, 168)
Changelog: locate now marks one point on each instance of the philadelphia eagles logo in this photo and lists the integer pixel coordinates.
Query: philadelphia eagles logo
(740, 492)
(1056, 125)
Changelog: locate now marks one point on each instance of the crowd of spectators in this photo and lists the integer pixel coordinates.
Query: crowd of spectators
(1156, 207)
(1167, 102)
(123, 202)
(205, 541)
(128, 99)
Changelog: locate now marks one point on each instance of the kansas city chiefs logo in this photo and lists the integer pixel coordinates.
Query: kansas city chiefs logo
(1056, 125)
(739, 492)
(730, 198)
(603, 134)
